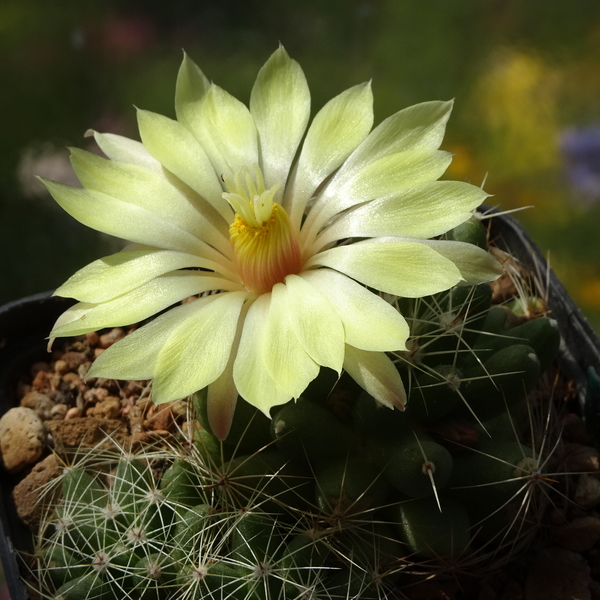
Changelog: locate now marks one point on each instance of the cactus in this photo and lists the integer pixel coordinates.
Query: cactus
(335, 496)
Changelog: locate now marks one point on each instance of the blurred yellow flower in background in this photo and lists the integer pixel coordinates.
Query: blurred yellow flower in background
(517, 102)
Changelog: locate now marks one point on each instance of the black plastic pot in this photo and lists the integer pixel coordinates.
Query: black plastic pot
(24, 325)
(580, 346)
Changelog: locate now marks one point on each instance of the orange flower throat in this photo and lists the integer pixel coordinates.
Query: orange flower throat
(265, 246)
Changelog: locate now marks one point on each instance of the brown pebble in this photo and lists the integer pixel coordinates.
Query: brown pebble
(71, 378)
(556, 516)
(59, 411)
(31, 495)
(88, 432)
(92, 338)
(161, 432)
(587, 492)
(558, 574)
(109, 408)
(135, 417)
(98, 352)
(61, 366)
(579, 458)
(73, 413)
(41, 381)
(180, 408)
(159, 418)
(580, 535)
(108, 339)
(83, 369)
(74, 359)
(512, 591)
(55, 380)
(433, 590)
(40, 403)
(94, 395)
(57, 396)
(487, 591)
(40, 365)
(574, 430)
(22, 438)
(144, 438)
(132, 388)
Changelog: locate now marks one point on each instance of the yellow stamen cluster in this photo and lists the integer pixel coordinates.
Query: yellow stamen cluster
(265, 246)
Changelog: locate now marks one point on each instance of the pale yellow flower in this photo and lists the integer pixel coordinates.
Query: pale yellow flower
(280, 227)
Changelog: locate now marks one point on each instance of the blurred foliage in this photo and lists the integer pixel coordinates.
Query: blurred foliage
(524, 75)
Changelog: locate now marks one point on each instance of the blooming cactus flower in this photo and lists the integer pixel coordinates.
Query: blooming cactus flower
(281, 228)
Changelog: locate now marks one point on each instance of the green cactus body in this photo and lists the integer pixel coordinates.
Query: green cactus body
(61, 565)
(250, 428)
(430, 532)
(269, 478)
(190, 531)
(496, 471)
(541, 334)
(213, 452)
(256, 546)
(153, 577)
(436, 393)
(216, 579)
(373, 420)
(182, 483)
(417, 468)
(503, 381)
(337, 497)
(352, 583)
(88, 587)
(470, 231)
(349, 484)
(305, 430)
(303, 563)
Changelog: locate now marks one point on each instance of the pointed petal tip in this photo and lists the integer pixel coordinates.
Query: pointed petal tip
(220, 411)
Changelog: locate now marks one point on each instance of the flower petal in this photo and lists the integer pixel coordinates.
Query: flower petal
(370, 323)
(197, 351)
(222, 393)
(421, 211)
(280, 105)
(111, 276)
(408, 269)
(394, 172)
(176, 148)
(122, 149)
(135, 355)
(376, 374)
(151, 191)
(225, 129)
(140, 303)
(252, 379)
(222, 400)
(419, 127)
(115, 217)
(191, 86)
(475, 264)
(316, 323)
(335, 132)
(284, 356)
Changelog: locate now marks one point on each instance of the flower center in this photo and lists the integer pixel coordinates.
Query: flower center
(264, 244)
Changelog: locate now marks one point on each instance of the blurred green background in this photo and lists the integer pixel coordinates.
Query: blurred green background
(525, 76)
